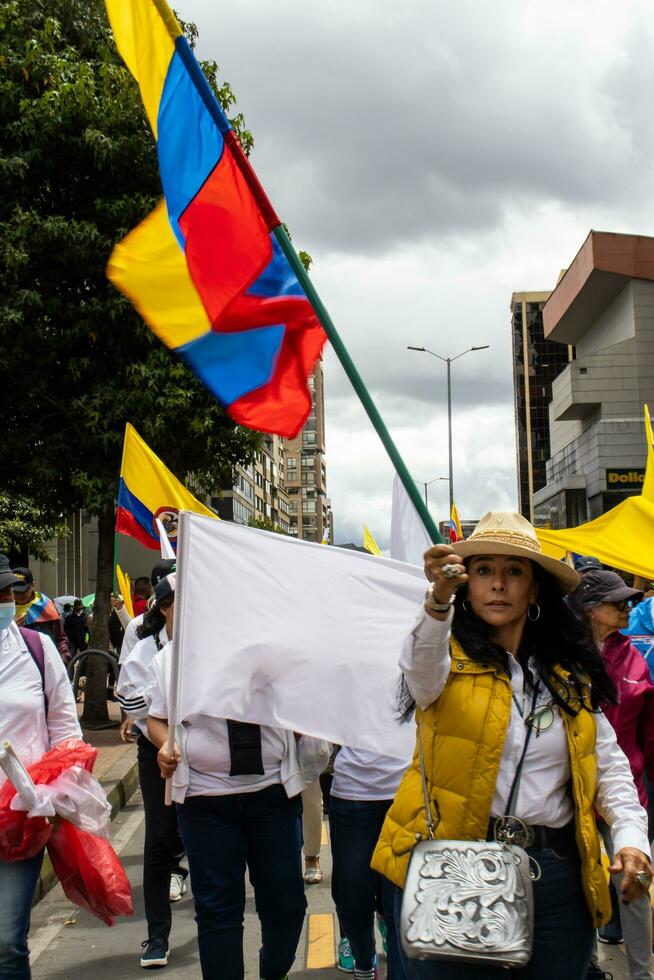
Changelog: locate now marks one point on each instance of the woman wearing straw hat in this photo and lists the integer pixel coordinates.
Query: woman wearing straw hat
(497, 656)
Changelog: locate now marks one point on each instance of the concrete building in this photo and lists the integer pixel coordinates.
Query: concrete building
(604, 307)
(258, 489)
(536, 362)
(306, 474)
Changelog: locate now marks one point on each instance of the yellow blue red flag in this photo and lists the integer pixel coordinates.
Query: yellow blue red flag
(204, 269)
(456, 534)
(147, 491)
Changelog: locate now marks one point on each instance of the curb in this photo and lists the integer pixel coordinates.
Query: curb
(120, 792)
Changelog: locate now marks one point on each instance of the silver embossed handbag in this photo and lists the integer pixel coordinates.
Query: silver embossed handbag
(469, 901)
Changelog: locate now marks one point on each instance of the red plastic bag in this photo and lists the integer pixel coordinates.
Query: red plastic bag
(22, 837)
(90, 872)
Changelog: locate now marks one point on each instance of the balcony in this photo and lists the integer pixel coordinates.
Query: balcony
(577, 391)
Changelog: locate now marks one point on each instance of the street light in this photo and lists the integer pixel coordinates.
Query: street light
(448, 361)
(428, 484)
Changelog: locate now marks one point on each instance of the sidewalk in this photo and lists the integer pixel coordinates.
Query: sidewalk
(117, 770)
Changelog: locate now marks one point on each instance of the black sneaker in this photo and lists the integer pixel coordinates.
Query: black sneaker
(155, 954)
(596, 972)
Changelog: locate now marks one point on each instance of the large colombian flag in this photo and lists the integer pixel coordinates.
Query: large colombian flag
(148, 490)
(203, 269)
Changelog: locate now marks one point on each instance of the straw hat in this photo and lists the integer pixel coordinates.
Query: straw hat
(508, 533)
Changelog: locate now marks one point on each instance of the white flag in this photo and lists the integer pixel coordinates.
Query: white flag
(290, 634)
(409, 538)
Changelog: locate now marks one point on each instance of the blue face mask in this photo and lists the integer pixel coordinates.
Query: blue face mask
(7, 613)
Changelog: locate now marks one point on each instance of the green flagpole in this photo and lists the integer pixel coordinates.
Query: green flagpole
(274, 225)
(356, 380)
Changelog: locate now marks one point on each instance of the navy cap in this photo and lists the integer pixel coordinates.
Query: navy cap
(586, 562)
(24, 578)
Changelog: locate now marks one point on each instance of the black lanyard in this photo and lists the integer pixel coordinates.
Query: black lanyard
(513, 793)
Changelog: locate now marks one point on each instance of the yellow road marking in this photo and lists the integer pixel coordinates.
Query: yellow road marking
(324, 840)
(320, 945)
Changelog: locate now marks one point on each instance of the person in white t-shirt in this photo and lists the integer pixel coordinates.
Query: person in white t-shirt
(237, 790)
(36, 712)
(163, 876)
(362, 791)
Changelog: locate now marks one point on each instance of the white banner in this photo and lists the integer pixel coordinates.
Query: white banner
(409, 538)
(291, 634)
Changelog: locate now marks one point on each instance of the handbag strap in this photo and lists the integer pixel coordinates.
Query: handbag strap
(515, 785)
(513, 793)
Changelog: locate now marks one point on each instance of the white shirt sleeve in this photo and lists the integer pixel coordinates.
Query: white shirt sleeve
(123, 616)
(425, 659)
(159, 691)
(62, 710)
(136, 679)
(616, 799)
(130, 639)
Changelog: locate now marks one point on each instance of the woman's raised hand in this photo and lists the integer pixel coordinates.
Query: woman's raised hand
(445, 570)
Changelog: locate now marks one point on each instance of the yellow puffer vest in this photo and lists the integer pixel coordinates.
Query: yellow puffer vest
(463, 737)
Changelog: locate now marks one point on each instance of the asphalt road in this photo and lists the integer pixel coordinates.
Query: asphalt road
(69, 944)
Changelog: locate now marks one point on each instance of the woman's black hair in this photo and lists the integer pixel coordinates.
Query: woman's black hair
(153, 623)
(559, 636)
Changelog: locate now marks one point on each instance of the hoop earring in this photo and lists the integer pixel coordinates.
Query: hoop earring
(464, 606)
(533, 619)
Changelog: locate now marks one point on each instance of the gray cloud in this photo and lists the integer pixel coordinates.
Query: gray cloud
(376, 125)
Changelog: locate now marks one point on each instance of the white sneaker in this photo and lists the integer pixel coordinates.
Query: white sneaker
(177, 887)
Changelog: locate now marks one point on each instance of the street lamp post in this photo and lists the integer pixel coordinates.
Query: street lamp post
(448, 361)
(428, 484)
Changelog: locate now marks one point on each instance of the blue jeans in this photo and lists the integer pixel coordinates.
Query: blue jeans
(563, 931)
(357, 890)
(17, 883)
(223, 834)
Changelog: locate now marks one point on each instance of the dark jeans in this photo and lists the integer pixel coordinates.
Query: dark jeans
(163, 844)
(17, 883)
(222, 835)
(357, 890)
(563, 931)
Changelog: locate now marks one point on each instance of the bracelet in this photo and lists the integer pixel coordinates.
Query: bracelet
(432, 603)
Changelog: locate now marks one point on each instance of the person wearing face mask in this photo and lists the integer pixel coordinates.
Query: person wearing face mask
(606, 601)
(37, 710)
(163, 877)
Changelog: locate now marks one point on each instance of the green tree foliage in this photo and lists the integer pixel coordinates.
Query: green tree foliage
(78, 170)
(265, 524)
(25, 529)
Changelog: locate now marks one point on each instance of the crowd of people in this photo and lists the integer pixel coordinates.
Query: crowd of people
(534, 711)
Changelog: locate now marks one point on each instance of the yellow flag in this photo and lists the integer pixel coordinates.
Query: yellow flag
(125, 587)
(648, 482)
(147, 491)
(369, 543)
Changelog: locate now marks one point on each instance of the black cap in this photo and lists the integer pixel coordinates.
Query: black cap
(596, 587)
(165, 587)
(584, 563)
(24, 578)
(165, 567)
(7, 577)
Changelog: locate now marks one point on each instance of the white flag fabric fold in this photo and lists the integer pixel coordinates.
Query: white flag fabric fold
(409, 538)
(290, 634)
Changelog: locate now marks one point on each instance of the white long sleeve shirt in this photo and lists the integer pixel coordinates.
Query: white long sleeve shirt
(22, 710)
(543, 798)
(137, 679)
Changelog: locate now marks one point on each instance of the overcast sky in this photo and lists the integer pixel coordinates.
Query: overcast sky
(434, 157)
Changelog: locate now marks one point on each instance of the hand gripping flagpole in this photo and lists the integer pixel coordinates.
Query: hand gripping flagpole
(276, 227)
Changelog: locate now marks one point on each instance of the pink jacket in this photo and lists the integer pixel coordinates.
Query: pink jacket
(633, 717)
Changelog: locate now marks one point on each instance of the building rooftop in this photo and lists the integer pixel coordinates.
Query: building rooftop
(599, 271)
